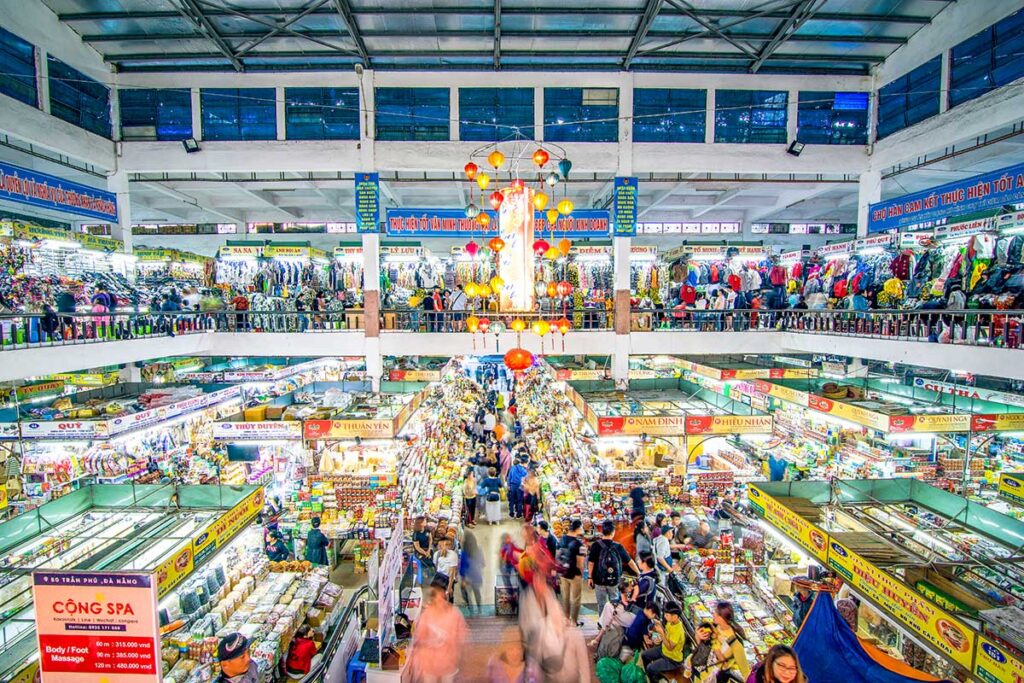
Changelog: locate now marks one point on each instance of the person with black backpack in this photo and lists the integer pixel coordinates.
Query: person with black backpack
(605, 562)
(570, 560)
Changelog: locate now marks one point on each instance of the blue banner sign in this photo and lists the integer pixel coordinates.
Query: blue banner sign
(960, 197)
(581, 224)
(25, 186)
(624, 201)
(367, 202)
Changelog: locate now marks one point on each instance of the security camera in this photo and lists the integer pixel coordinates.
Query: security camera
(359, 69)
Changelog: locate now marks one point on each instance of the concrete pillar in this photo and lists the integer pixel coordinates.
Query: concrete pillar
(709, 118)
(279, 112)
(869, 191)
(792, 114)
(944, 81)
(43, 79)
(371, 283)
(453, 114)
(626, 126)
(367, 126)
(115, 115)
(620, 359)
(197, 117)
(374, 362)
(117, 183)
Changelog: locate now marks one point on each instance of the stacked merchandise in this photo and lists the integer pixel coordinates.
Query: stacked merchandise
(404, 282)
(649, 282)
(244, 593)
(345, 275)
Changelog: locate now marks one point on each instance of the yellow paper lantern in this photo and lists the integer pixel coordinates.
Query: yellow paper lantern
(484, 290)
(552, 290)
(540, 200)
(471, 290)
(518, 325)
(472, 323)
(497, 283)
(541, 327)
(483, 180)
(552, 254)
(496, 159)
(564, 246)
(565, 207)
(552, 216)
(483, 218)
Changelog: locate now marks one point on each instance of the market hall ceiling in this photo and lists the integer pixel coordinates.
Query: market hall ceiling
(743, 36)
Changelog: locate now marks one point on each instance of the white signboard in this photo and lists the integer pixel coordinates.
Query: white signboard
(240, 431)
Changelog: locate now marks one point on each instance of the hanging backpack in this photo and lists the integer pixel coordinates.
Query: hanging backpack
(608, 568)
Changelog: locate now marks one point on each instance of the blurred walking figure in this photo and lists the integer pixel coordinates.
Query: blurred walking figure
(471, 568)
(554, 648)
(509, 555)
(508, 664)
(437, 639)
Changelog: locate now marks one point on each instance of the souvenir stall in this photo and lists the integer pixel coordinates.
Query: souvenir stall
(43, 252)
(157, 267)
(948, 585)
(274, 269)
(114, 528)
(123, 433)
(696, 269)
(345, 273)
(408, 271)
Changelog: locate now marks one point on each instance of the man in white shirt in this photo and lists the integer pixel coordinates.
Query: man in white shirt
(458, 308)
(489, 422)
(446, 561)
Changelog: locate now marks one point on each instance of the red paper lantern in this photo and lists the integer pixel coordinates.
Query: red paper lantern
(472, 248)
(484, 325)
(541, 157)
(563, 289)
(496, 245)
(540, 246)
(518, 359)
(470, 170)
(519, 184)
(496, 199)
(563, 325)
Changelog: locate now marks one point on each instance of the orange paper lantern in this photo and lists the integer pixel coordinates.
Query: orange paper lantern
(470, 169)
(472, 323)
(484, 219)
(564, 246)
(496, 244)
(541, 157)
(518, 359)
(563, 325)
(563, 288)
(496, 159)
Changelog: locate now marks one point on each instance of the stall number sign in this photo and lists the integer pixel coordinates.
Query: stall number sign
(97, 626)
(1011, 487)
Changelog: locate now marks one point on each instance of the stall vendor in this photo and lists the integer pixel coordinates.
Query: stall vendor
(316, 544)
(235, 664)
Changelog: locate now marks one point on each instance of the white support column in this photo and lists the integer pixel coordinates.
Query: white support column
(626, 126)
(279, 111)
(367, 132)
(869, 191)
(117, 182)
(538, 114)
(371, 308)
(620, 360)
(115, 115)
(792, 114)
(374, 362)
(709, 118)
(197, 114)
(43, 80)
(453, 113)
(371, 262)
(944, 81)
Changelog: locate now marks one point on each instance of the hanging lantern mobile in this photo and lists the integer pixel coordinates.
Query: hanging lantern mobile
(470, 170)
(496, 199)
(496, 244)
(541, 157)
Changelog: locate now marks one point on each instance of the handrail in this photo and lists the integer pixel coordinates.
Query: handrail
(330, 648)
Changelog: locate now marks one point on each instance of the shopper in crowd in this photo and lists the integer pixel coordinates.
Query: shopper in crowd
(730, 655)
(801, 604)
(317, 544)
(446, 562)
(430, 305)
(508, 556)
(646, 586)
(703, 537)
(469, 491)
(554, 648)
(847, 608)
(571, 559)
(699, 667)
(422, 543)
(236, 666)
(531, 495)
(642, 537)
(661, 547)
(637, 635)
(668, 655)
(508, 664)
(437, 639)
(516, 474)
(277, 551)
(605, 563)
(780, 665)
(302, 652)
(547, 538)
(639, 499)
(471, 574)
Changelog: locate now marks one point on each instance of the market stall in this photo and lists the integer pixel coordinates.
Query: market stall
(155, 266)
(937, 568)
(171, 531)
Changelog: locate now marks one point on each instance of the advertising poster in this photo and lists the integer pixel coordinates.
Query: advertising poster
(806, 534)
(624, 202)
(922, 617)
(97, 626)
(994, 663)
(367, 202)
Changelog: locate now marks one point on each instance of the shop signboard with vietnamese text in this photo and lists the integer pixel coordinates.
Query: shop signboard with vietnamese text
(313, 430)
(729, 424)
(964, 391)
(994, 663)
(97, 626)
(579, 374)
(783, 393)
(977, 193)
(414, 375)
(431, 222)
(805, 533)
(1011, 487)
(1005, 422)
(936, 424)
(224, 528)
(943, 631)
(272, 430)
(655, 425)
(75, 430)
(241, 251)
(45, 191)
(31, 392)
(845, 411)
(367, 202)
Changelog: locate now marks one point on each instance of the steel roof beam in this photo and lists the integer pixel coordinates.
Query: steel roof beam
(497, 34)
(344, 11)
(718, 29)
(690, 12)
(803, 11)
(284, 26)
(711, 56)
(191, 11)
(920, 20)
(460, 33)
(650, 13)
